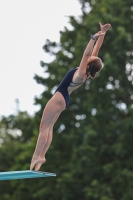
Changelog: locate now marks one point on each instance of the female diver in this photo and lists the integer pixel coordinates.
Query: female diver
(89, 66)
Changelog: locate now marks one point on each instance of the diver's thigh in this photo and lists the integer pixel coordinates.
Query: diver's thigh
(53, 109)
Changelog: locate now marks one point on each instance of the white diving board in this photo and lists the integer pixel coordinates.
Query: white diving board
(24, 174)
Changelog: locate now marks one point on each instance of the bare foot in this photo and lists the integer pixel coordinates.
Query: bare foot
(36, 163)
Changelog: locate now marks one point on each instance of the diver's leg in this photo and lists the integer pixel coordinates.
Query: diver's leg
(42, 158)
(51, 113)
(49, 139)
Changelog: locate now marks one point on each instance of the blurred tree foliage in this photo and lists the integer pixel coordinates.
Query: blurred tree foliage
(91, 152)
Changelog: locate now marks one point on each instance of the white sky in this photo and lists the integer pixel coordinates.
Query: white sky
(24, 27)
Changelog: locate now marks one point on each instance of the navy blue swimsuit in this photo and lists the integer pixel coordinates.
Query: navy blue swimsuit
(65, 83)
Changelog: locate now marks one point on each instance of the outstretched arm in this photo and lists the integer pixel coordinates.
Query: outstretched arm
(87, 53)
(97, 46)
(99, 42)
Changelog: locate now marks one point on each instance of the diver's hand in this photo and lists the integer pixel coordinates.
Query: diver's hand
(104, 27)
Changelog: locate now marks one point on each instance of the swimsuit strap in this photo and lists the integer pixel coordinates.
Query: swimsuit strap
(75, 84)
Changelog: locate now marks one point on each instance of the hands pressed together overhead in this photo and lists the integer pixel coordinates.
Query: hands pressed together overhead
(103, 30)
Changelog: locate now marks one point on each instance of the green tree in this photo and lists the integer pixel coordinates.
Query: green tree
(9, 148)
(15, 134)
(91, 152)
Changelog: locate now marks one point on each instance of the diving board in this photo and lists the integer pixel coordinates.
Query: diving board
(24, 174)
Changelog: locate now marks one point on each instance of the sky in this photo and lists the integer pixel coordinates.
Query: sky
(24, 27)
